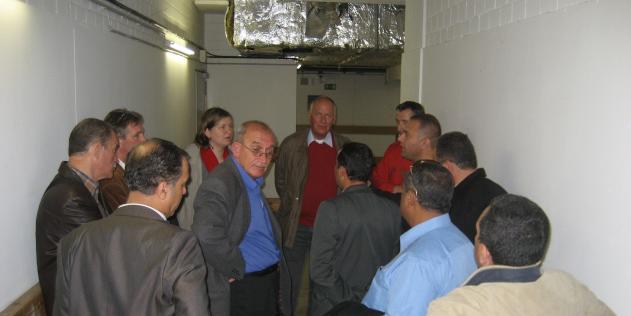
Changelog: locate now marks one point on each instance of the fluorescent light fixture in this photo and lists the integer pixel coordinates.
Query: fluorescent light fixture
(299, 66)
(181, 48)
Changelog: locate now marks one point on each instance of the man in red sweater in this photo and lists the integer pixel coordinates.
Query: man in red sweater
(305, 176)
(389, 173)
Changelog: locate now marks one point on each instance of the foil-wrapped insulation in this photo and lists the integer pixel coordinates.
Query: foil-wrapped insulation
(307, 28)
(268, 23)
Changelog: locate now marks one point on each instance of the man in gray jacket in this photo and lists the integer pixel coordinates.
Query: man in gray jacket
(134, 262)
(354, 234)
(239, 235)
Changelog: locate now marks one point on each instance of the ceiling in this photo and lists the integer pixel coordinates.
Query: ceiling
(221, 5)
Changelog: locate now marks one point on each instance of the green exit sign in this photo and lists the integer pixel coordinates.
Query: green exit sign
(329, 86)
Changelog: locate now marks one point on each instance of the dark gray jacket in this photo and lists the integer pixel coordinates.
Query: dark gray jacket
(354, 234)
(130, 263)
(222, 217)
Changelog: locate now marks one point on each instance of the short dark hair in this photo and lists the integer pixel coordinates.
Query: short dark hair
(121, 118)
(209, 119)
(87, 132)
(357, 159)
(433, 184)
(152, 162)
(415, 107)
(457, 148)
(430, 127)
(515, 230)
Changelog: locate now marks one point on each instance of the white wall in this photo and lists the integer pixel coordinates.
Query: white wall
(60, 65)
(362, 99)
(542, 88)
(256, 90)
(250, 89)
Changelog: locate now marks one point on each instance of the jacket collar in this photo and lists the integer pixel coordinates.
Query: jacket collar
(500, 273)
(477, 174)
(138, 210)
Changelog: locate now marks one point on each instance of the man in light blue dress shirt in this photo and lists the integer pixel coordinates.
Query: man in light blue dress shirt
(435, 256)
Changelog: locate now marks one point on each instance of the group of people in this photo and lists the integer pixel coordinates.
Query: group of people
(131, 226)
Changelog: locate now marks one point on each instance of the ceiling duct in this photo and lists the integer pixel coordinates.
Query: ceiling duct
(319, 33)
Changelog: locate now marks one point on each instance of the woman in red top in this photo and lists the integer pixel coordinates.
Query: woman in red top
(216, 130)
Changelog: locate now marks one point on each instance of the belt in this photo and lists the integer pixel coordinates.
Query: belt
(266, 271)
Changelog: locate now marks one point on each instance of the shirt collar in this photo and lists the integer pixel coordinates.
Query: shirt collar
(90, 184)
(328, 139)
(121, 163)
(250, 183)
(147, 206)
(421, 229)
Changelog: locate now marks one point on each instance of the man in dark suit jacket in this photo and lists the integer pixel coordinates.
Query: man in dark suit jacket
(354, 234)
(73, 198)
(133, 262)
(239, 235)
(473, 191)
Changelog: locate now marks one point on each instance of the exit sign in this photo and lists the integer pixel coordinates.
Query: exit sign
(329, 86)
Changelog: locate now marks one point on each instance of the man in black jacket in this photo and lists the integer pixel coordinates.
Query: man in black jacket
(473, 191)
(72, 198)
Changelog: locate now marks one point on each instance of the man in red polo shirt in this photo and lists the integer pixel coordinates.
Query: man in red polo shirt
(388, 174)
(305, 176)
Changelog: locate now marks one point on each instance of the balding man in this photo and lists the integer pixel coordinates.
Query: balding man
(419, 136)
(134, 262)
(304, 178)
(239, 235)
(73, 197)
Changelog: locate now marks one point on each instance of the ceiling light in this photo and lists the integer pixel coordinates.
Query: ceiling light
(181, 48)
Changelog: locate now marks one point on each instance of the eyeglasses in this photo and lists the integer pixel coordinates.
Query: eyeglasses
(259, 152)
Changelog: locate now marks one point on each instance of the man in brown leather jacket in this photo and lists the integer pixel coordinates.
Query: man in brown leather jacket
(72, 198)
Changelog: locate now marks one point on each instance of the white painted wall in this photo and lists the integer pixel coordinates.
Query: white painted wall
(250, 89)
(256, 90)
(57, 71)
(362, 99)
(542, 88)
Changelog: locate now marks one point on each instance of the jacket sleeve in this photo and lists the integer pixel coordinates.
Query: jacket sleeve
(326, 237)
(211, 224)
(186, 274)
(280, 177)
(62, 304)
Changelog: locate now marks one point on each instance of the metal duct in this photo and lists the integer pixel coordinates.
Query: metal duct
(327, 33)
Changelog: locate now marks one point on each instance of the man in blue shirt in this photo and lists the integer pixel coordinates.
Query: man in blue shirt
(239, 236)
(435, 256)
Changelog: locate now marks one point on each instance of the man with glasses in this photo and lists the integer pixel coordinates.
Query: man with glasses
(130, 130)
(305, 177)
(435, 256)
(238, 234)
